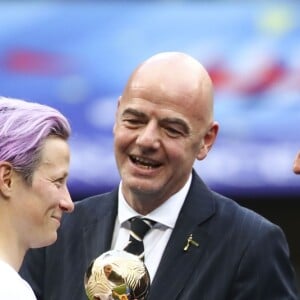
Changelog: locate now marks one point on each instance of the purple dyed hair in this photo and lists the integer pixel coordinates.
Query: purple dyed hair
(24, 126)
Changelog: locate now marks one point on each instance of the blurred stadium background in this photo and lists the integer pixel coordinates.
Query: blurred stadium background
(77, 56)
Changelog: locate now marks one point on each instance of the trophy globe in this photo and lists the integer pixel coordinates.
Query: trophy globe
(117, 275)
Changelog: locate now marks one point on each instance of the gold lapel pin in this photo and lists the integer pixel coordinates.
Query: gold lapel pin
(190, 242)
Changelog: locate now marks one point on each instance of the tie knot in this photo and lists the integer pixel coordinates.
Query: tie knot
(138, 229)
(140, 226)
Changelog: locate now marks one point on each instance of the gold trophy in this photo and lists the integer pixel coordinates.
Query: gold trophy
(117, 275)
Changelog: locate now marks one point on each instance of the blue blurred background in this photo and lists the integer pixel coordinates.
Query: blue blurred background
(77, 56)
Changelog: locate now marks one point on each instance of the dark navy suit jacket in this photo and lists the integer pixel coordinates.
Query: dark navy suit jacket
(241, 255)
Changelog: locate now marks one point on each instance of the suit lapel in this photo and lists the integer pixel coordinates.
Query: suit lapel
(198, 207)
(97, 234)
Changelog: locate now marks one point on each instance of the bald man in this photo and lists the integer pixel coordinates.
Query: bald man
(203, 245)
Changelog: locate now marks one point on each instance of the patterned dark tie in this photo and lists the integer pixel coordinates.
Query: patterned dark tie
(138, 229)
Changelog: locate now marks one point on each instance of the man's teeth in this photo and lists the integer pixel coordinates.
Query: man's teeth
(144, 162)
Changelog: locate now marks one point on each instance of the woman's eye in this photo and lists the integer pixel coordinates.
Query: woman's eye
(59, 182)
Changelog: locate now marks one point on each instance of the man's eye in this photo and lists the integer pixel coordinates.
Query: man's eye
(173, 132)
(132, 122)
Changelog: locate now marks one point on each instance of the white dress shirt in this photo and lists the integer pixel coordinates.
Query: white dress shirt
(156, 239)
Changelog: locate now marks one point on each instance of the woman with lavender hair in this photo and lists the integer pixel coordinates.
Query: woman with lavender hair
(34, 165)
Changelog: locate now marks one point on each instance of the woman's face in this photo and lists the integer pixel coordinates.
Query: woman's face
(39, 207)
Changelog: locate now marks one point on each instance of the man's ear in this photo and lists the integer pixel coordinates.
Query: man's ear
(6, 174)
(208, 141)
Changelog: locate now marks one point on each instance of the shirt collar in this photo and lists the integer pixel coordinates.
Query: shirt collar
(162, 213)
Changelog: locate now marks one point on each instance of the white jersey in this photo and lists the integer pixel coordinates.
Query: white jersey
(12, 286)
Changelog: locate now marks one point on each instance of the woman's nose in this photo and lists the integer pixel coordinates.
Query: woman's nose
(296, 166)
(67, 204)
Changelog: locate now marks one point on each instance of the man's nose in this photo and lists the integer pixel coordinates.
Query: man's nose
(149, 136)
